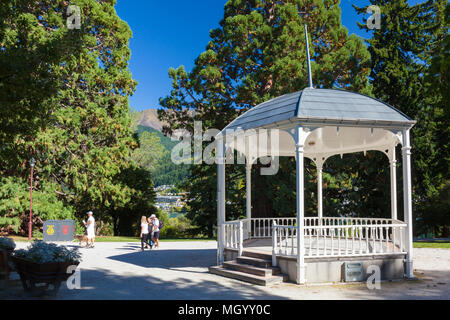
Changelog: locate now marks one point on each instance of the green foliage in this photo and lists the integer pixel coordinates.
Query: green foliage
(126, 219)
(150, 151)
(165, 141)
(256, 54)
(154, 154)
(409, 71)
(178, 228)
(15, 205)
(64, 101)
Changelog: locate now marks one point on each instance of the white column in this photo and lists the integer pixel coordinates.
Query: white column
(319, 192)
(220, 199)
(393, 165)
(407, 196)
(241, 238)
(300, 138)
(248, 188)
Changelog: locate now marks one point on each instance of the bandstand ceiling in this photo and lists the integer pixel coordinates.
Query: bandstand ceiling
(340, 122)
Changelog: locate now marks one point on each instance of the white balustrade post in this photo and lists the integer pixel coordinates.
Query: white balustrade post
(220, 199)
(393, 166)
(241, 238)
(319, 192)
(407, 198)
(300, 138)
(248, 187)
(274, 244)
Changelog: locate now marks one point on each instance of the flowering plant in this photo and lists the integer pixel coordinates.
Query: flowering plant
(7, 243)
(42, 252)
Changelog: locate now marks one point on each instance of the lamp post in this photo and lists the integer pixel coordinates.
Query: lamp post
(32, 163)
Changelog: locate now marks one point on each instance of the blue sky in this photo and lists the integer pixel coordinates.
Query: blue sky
(173, 33)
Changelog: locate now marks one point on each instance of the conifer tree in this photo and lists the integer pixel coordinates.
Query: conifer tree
(258, 53)
(64, 101)
(408, 72)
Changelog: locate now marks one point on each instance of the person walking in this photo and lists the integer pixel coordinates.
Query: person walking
(90, 229)
(155, 235)
(150, 234)
(144, 233)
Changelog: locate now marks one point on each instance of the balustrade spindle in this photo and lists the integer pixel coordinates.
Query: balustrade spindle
(401, 239)
(346, 240)
(374, 238)
(367, 239)
(381, 239)
(292, 241)
(332, 241)
(353, 239)
(360, 240)
(339, 241)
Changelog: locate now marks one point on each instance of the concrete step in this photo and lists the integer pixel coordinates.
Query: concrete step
(250, 278)
(257, 262)
(259, 255)
(264, 272)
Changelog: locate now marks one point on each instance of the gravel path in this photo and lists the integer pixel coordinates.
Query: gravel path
(179, 270)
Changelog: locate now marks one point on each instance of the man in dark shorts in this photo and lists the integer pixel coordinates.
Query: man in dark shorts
(155, 230)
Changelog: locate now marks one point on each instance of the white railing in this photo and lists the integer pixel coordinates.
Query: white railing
(326, 237)
(354, 240)
(262, 227)
(337, 237)
(234, 235)
(284, 241)
(339, 221)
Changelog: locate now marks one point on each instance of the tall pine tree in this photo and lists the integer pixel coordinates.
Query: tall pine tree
(256, 54)
(408, 71)
(64, 101)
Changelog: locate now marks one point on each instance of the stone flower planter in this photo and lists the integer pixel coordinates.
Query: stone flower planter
(43, 266)
(7, 246)
(5, 268)
(49, 273)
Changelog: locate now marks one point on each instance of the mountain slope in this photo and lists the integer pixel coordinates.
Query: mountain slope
(149, 118)
(166, 172)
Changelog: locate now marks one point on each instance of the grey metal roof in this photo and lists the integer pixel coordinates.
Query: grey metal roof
(323, 105)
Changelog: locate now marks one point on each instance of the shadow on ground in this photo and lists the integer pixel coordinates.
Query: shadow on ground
(101, 284)
(161, 258)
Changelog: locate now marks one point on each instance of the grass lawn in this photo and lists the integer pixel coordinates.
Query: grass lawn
(437, 244)
(137, 239)
(116, 239)
(417, 244)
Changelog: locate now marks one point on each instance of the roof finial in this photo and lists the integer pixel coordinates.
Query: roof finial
(308, 58)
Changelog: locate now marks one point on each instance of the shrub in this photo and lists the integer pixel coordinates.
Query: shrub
(15, 204)
(7, 243)
(42, 252)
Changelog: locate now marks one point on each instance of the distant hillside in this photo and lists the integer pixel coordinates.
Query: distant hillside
(166, 172)
(165, 141)
(149, 118)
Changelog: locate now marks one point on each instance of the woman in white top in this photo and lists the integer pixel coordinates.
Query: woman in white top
(144, 232)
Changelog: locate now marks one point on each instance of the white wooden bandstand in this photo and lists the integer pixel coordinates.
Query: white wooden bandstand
(317, 124)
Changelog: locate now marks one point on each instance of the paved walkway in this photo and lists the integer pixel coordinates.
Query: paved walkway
(179, 270)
